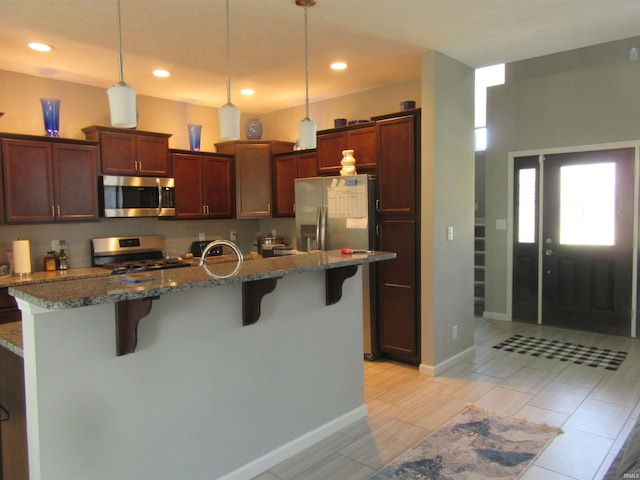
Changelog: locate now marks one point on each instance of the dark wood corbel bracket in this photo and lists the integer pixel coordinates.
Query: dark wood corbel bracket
(335, 277)
(128, 316)
(130, 312)
(252, 294)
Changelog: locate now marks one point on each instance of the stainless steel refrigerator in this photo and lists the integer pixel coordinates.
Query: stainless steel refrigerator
(333, 213)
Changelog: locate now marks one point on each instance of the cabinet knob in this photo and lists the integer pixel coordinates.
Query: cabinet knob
(53, 211)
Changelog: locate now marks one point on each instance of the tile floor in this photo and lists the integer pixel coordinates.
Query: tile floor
(595, 408)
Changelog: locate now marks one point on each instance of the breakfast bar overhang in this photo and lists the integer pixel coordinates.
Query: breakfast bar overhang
(202, 394)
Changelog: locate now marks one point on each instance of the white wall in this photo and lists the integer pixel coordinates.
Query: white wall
(447, 201)
(581, 97)
(202, 396)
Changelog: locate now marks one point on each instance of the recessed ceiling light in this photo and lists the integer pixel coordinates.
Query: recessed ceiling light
(247, 91)
(338, 66)
(40, 47)
(161, 73)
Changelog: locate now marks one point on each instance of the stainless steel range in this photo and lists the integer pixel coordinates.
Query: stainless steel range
(132, 254)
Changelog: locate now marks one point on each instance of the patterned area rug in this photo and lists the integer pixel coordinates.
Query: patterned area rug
(474, 445)
(564, 351)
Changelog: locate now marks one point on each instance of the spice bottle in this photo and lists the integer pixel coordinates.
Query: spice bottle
(63, 258)
(51, 261)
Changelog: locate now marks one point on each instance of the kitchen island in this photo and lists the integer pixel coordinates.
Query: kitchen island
(202, 393)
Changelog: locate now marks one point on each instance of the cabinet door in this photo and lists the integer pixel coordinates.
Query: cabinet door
(398, 331)
(329, 151)
(285, 172)
(14, 462)
(396, 177)
(253, 180)
(152, 156)
(218, 187)
(75, 181)
(187, 173)
(307, 165)
(9, 311)
(28, 191)
(118, 153)
(364, 143)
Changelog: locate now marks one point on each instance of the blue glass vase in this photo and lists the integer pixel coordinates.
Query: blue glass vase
(253, 128)
(51, 114)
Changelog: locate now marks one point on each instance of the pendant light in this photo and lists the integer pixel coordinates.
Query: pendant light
(306, 128)
(229, 114)
(122, 98)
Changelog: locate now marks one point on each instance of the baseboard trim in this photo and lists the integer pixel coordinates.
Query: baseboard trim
(289, 449)
(495, 316)
(435, 370)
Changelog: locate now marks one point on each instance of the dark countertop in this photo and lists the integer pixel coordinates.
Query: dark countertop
(112, 288)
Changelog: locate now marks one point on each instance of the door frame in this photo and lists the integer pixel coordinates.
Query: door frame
(510, 216)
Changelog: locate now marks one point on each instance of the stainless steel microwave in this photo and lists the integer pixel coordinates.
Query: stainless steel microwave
(125, 196)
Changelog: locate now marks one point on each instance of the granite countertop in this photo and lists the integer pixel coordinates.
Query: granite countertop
(90, 286)
(11, 333)
(11, 337)
(112, 288)
(43, 277)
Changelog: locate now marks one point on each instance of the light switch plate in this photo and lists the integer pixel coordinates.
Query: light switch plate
(449, 233)
(501, 224)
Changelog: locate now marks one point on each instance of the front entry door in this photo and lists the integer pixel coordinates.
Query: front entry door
(583, 240)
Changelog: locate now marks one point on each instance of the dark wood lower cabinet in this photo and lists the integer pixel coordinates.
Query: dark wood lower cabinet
(397, 296)
(13, 427)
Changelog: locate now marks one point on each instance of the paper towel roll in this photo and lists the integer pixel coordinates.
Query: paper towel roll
(21, 257)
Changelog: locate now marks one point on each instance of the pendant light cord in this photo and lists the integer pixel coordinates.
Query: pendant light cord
(120, 63)
(228, 57)
(306, 62)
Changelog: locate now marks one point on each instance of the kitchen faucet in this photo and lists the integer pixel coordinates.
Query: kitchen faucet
(229, 244)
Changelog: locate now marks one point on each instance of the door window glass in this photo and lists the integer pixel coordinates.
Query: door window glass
(527, 205)
(587, 204)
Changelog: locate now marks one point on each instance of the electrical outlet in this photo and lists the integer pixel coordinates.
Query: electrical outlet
(233, 236)
(201, 236)
(454, 332)
(55, 245)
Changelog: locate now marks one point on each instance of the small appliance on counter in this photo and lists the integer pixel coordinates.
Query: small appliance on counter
(124, 255)
(268, 242)
(198, 247)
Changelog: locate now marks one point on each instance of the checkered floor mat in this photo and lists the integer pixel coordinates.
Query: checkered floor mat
(563, 351)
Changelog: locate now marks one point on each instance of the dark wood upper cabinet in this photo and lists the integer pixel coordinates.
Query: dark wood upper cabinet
(359, 138)
(253, 166)
(131, 152)
(288, 167)
(59, 176)
(203, 185)
(396, 177)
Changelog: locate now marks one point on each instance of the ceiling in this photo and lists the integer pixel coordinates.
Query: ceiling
(381, 40)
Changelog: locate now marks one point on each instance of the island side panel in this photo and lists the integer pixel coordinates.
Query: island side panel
(202, 396)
